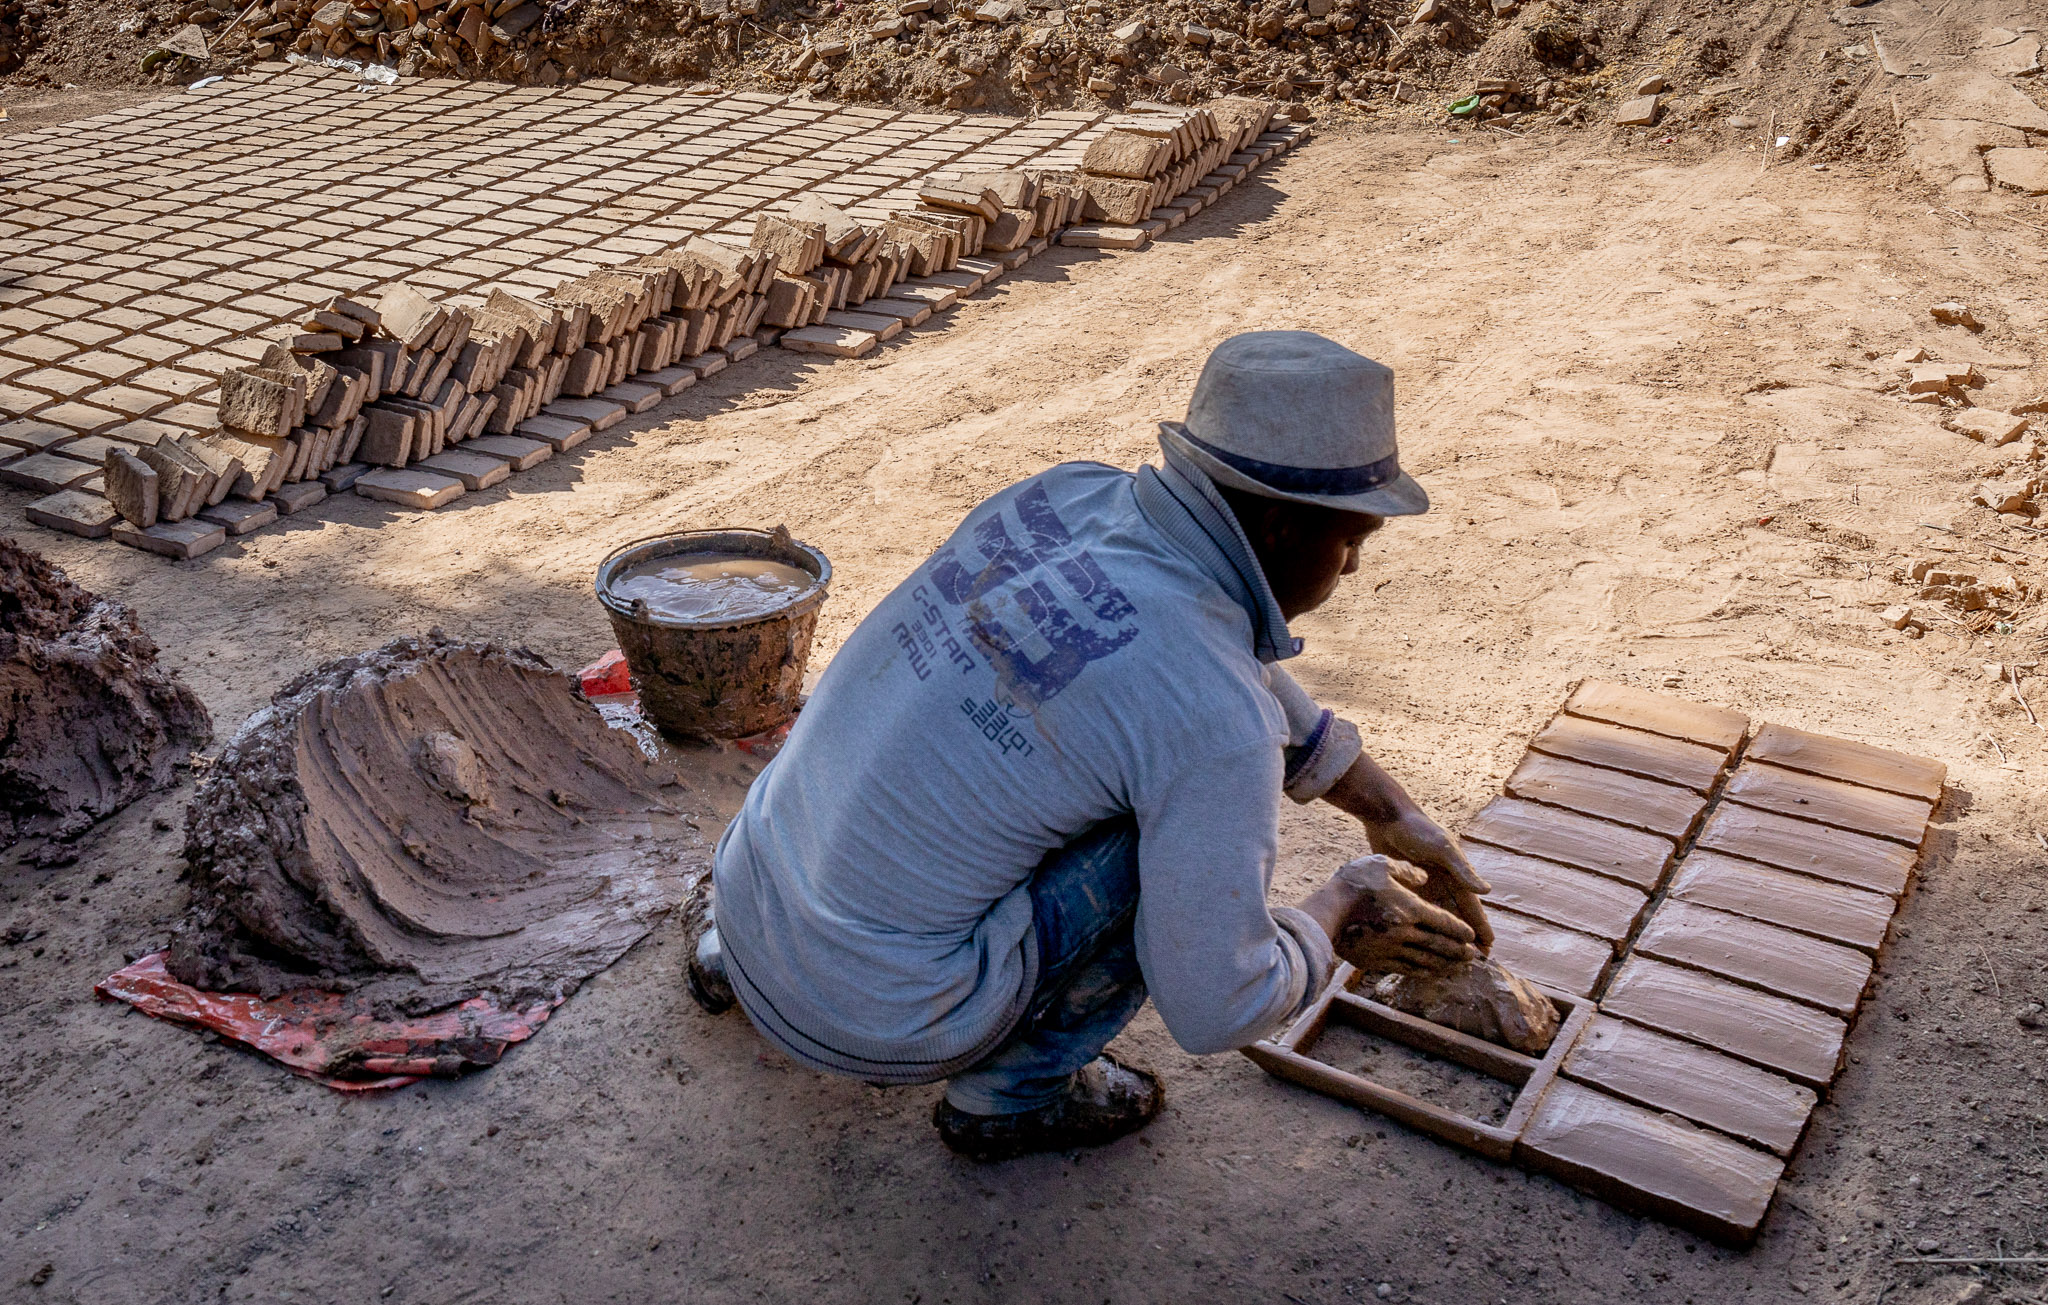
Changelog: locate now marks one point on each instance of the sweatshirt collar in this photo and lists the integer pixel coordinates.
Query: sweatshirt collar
(1182, 503)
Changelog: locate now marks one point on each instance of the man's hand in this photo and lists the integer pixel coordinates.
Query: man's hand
(1396, 827)
(1376, 921)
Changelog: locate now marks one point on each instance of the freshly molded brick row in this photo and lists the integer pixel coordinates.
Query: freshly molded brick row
(1809, 848)
(1651, 1163)
(1832, 911)
(1777, 1033)
(1831, 802)
(1563, 959)
(1776, 960)
(1629, 855)
(1663, 1073)
(1618, 704)
(1853, 763)
(1641, 803)
(1577, 899)
(1638, 752)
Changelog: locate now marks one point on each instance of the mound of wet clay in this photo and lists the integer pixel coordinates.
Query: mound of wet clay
(88, 720)
(1482, 998)
(424, 824)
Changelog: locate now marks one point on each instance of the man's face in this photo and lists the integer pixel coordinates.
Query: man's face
(1311, 550)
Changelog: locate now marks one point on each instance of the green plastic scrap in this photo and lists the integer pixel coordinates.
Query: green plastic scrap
(1466, 107)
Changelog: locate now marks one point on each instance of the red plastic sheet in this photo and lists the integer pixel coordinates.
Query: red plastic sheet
(326, 1036)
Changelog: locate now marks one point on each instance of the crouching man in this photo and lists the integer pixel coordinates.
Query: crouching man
(1041, 781)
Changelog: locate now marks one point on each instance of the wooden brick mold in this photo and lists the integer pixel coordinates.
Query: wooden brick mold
(1708, 912)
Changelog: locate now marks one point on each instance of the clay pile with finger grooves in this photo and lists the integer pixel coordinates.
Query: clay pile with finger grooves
(425, 823)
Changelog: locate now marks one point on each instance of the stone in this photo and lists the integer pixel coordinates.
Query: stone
(47, 473)
(1635, 752)
(1619, 704)
(1851, 762)
(835, 341)
(1651, 85)
(1630, 855)
(2005, 496)
(602, 414)
(75, 512)
(1831, 802)
(1773, 1032)
(408, 487)
(1663, 1073)
(559, 433)
(1987, 426)
(1955, 314)
(1935, 378)
(637, 397)
(1609, 794)
(1835, 912)
(474, 470)
(1089, 236)
(1577, 899)
(1643, 111)
(178, 540)
(1897, 617)
(239, 516)
(1763, 956)
(517, 452)
(1651, 1163)
(1564, 959)
(2024, 170)
(132, 488)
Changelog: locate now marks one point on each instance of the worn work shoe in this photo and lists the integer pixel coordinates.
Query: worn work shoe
(1105, 1101)
(705, 969)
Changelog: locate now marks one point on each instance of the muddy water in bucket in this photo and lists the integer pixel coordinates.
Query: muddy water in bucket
(716, 626)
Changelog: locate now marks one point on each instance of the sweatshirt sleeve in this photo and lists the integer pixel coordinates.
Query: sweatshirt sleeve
(1222, 971)
(1321, 745)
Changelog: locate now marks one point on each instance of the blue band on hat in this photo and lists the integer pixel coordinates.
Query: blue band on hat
(1303, 480)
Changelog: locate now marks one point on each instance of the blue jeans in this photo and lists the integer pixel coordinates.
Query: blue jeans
(1084, 901)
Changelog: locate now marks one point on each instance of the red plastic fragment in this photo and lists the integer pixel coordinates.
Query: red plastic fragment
(608, 674)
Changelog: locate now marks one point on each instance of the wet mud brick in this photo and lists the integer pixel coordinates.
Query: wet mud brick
(1592, 904)
(1853, 763)
(179, 540)
(1663, 1073)
(1637, 752)
(425, 490)
(1835, 912)
(1629, 855)
(1651, 1163)
(1592, 790)
(1777, 1033)
(1764, 956)
(1564, 959)
(1809, 848)
(1618, 704)
(1831, 802)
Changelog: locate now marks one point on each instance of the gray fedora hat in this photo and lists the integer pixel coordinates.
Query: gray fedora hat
(1292, 415)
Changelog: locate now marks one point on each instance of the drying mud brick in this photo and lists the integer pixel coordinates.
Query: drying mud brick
(1793, 1039)
(297, 498)
(1637, 752)
(474, 470)
(522, 454)
(1609, 794)
(1831, 911)
(88, 720)
(425, 490)
(1845, 806)
(1850, 762)
(75, 512)
(559, 433)
(131, 488)
(1618, 704)
(1808, 848)
(834, 341)
(1106, 237)
(1558, 958)
(1576, 899)
(181, 541)
(1630, 855)
(47, 473)
(1655, 1164)
(239, 517)
(427, 823)
(253, 403)
(601, 414)
(1650, 1069)
(1764, 956)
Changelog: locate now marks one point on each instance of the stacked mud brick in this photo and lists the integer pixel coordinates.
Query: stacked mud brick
(1710, 915)
(413, 400)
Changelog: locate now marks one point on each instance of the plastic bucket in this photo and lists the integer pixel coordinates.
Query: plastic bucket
(717, 677)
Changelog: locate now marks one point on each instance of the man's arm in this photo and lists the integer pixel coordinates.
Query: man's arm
(1396, 827)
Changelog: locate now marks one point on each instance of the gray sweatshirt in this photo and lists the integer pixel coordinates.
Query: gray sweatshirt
(1089, 643)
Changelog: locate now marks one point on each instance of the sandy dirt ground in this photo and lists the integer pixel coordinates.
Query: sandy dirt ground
(1639, 385)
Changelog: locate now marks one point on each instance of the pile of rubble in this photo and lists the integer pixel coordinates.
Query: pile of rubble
(413, 401)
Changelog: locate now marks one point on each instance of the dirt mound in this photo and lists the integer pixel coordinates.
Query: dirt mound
(88, 721)
(425, 823)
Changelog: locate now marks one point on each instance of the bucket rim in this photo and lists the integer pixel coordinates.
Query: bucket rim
(797, 607)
